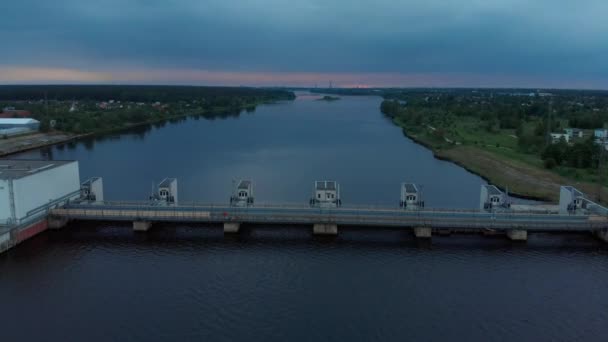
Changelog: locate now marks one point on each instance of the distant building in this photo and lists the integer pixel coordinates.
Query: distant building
(600, 135)
(574, 133)
(11, 112)
(557, 137)
(16, 126)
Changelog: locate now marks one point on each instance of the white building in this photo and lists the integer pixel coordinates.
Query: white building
(167, 191)
(570, 200)
(15, 126)
(242, 195)
(557, 137)
(29, 187)
(326, 194)
(491, 197)
(574, 133)
(92, 190)
(600, 134)
(411, 196)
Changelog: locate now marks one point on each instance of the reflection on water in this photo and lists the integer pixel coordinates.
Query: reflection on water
(283, 147)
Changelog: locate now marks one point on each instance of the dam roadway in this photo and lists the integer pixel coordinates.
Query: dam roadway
(327, 220)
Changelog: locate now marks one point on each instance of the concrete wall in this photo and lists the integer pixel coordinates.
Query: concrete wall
(483, 197)
(565, 198)
(40, 188)
(97, 189)
(5, 204)
(173, 189)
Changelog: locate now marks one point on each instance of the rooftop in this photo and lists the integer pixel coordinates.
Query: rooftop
(90, 181)
(574, 191)
(325, 185)
(244, 184)
(14, 169)
(17, 121)
(166, 182)
(493, 190)
(410, 188)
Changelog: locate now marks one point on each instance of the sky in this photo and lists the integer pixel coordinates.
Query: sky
(352, 43)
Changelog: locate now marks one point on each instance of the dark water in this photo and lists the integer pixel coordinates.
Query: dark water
(102, 282)
(284, 148)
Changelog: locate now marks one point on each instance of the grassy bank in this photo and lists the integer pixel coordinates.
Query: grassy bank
(499, 163)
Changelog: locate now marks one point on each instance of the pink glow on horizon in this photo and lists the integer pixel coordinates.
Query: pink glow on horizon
(36, 75)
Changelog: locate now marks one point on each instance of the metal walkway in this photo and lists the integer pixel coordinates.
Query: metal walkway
(354, 216)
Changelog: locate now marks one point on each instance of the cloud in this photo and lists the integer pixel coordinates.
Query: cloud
(541, 39)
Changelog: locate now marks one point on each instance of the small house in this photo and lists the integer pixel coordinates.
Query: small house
(600, 135)
(491, 198)
(242, 195)
(167, 191)
(411, 196)
(557, 137)
(326, 194)
(91, 190)
(573, 133)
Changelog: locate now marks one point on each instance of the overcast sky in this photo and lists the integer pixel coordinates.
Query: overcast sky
(527, 43)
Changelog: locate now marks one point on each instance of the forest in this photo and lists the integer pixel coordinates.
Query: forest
(510, 123)
(87, 109)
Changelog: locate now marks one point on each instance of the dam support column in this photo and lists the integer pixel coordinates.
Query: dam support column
(602, 234)
(141, 226)
(423, 232)
(231, 227)
(325, 229)
(55, 222)
(517, 234)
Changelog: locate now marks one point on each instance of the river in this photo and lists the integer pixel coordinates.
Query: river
(100, 282)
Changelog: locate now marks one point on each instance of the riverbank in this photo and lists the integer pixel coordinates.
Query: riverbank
(520, 179)
(29, 142)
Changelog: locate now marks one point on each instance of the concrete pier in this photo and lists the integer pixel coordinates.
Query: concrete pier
(517, 234)
(325, 229)
(141, 226)
(231, 227)
(423, 232)
(55, 222)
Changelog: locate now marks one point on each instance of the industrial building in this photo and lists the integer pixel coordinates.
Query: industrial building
(14, 126)
(326, 194)
(91, 190)
(242, 194)
(29, 187)
(411, 196)
(492, 198)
